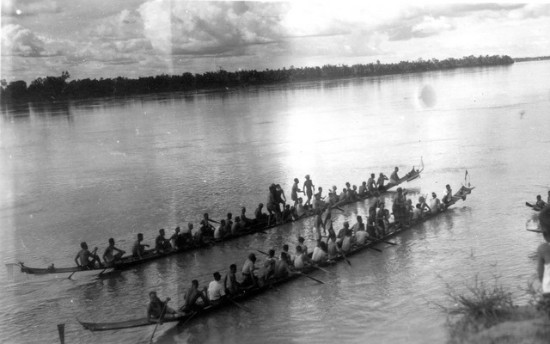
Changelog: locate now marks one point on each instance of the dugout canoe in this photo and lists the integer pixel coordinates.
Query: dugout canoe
(118, 325)
(150, 255)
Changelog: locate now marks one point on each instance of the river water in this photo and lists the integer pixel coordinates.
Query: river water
(90, 170)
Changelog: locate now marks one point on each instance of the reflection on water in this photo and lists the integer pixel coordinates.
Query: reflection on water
(95, 169)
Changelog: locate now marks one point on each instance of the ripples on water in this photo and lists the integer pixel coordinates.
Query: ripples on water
(113, 168)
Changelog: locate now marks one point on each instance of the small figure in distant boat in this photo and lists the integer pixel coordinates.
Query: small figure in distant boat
(162, 245)
(282, 267)
(394, 178)
(295, 191)
(109, 256)
(358, 226)
(237, 226)
(380, 182)
(259, 215)
(436, 203)
(174, 237)
(216, 290)
(346, 242)
(248, 271)
(301, 258)
(371, 184)
(207, 230)
(361, 233)
(272, 205)
(245, 220)
(138, 250)
(228, 223)
(157, 310)
(192, 297)
(540, 203)
(424, 207)
(86, 259)
(320, 252)
(308, 189)
(448, 194)
(219, 233)
(287, 214)
(362, 189)
(268, 267)
(230, 282)
(280, 193)
(342, 232)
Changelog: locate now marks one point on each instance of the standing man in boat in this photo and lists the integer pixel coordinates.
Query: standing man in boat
(109, 256)
(86, 259)
(308, 189)
(543, 258)
(138, 249)
(295, 191)
(436, 203)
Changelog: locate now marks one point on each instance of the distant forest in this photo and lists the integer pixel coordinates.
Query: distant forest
(54, 88)
(538, 58)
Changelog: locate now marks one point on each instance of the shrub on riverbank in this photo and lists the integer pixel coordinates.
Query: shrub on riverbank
(486, 313)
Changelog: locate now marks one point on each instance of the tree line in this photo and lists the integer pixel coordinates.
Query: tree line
(54, 88)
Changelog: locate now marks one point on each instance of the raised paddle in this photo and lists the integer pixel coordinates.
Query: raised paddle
(529, 204)
(213, 221)
(160, 319)
(311, 278)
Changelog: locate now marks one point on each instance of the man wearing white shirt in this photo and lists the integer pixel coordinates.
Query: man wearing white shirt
(215, 288)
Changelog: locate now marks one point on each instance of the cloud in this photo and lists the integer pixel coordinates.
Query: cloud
(17, 40)
(14, 8)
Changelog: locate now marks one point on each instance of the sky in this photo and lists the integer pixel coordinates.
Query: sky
(134, 38)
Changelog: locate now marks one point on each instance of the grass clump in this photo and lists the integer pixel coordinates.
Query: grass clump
(476, 307)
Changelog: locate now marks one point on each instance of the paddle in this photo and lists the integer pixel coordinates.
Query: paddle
(346, 259)
(384, 241)
(529, 204)
(311, 278)
(213, 221)
(246, 309)
(160, 319)
(534, 230)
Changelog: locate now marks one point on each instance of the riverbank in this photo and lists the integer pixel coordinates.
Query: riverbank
(488, 315)
(55, 88)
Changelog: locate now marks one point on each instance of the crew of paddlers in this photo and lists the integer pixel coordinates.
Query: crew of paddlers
(279, 212)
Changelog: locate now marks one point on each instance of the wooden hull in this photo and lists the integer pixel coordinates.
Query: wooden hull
(129, 261)
(461, 194)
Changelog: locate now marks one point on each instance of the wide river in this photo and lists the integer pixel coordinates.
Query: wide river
(91, 170)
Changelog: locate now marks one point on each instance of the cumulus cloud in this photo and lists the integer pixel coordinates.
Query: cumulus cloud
(17, 40)
(29, 7)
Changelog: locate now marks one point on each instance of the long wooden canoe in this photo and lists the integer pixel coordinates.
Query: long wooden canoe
(150, 255)
(461, 194)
